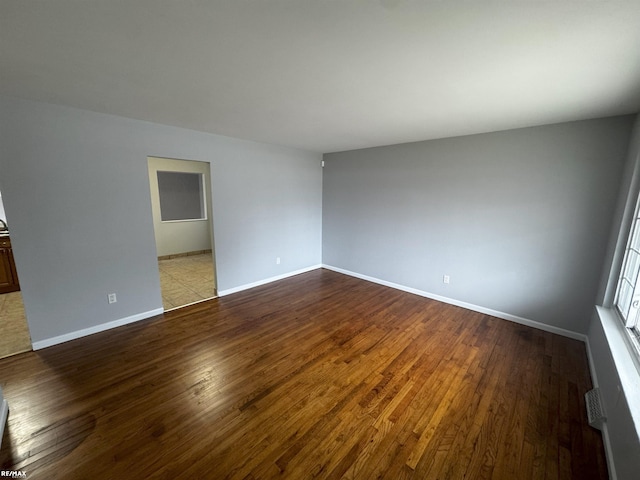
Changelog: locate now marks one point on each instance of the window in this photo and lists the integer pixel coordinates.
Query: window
(181, 196)
(627, 300)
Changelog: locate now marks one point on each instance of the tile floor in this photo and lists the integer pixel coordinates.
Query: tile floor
(14, 332)
(185, 280)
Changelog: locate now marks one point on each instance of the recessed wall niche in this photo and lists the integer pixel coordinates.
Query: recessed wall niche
(182, 196)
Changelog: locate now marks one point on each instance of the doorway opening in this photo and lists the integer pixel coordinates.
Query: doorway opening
(14, 330)
(183, 227)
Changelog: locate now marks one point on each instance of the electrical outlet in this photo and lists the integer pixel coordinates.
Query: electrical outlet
(446, 279)
(277, 260)
(112, 298)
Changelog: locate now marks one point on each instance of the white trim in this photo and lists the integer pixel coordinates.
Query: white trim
(469, 306)
(608, 452)
(205, 219)
(48, 342)
(247, 286)
(592, 365)
(191, 303)
(4, 415)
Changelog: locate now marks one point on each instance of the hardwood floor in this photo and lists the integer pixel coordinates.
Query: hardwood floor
(316, 376)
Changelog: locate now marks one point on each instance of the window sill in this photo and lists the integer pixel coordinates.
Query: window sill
(625, 359)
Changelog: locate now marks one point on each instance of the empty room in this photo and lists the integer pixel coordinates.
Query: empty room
(320, 239)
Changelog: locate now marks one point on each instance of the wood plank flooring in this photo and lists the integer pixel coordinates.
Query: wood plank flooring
(316, 376)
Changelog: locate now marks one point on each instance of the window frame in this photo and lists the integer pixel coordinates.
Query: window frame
(631, 319)
(202, 200)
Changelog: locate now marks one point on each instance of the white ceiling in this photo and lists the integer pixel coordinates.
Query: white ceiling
(327, 75)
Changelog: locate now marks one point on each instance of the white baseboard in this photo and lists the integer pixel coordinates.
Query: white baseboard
(608, 452)
(4, 414)
(247, 286)
(469, 306)
(592, 365)
(48, 342)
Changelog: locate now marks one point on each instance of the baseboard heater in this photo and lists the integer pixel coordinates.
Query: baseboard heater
(595, 411)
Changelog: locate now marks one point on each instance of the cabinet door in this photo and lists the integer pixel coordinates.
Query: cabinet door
(8, 278)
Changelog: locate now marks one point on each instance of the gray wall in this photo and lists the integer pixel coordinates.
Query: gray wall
(519, 219)
(76, 188)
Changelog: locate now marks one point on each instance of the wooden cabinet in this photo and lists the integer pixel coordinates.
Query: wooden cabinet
(8, 274)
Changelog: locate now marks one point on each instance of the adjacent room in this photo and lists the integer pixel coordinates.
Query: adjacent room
(285, 239)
